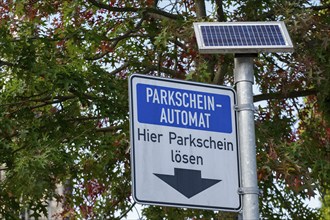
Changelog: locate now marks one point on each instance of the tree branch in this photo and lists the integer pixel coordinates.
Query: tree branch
(119, 69)
(45, 103)
(180, 44)
(222, 70)
(281, 95)
(320, 7)
(131, 9)
(116, 40)
(200, 8)
(5, 63)
(127, 211)
(57, 98)
(220, 13)
(161, 69)
(45, 100)
(82, 119)
(110, 8)
(108, 129)
(270, 60)
(287, 205)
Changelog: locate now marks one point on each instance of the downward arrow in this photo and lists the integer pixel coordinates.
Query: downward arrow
(187, 182)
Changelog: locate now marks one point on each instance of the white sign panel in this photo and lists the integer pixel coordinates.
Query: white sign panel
(184, 147)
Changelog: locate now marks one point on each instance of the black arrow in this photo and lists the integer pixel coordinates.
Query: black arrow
(187, 182)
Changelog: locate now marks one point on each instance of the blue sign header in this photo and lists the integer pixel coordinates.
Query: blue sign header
(182, 108)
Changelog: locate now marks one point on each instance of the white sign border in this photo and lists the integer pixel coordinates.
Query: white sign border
(132, 144)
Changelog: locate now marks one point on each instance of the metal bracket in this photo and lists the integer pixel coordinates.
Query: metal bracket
(249, 190)
(245, 107)
(243, 80)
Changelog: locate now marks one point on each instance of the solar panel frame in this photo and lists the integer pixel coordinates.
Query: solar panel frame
(242, 37)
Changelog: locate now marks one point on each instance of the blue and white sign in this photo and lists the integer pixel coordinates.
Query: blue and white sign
(184, 147)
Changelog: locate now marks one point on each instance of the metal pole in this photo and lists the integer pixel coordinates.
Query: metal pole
(244, 81)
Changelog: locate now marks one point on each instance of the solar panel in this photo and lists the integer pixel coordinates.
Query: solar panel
(242, 37)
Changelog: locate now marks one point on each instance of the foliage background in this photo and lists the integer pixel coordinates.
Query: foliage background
(64, 104)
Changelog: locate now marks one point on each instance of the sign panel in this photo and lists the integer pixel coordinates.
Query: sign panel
(184, 147)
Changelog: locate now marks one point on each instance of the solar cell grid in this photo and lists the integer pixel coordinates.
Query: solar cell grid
(242, 37)
(239, 35)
